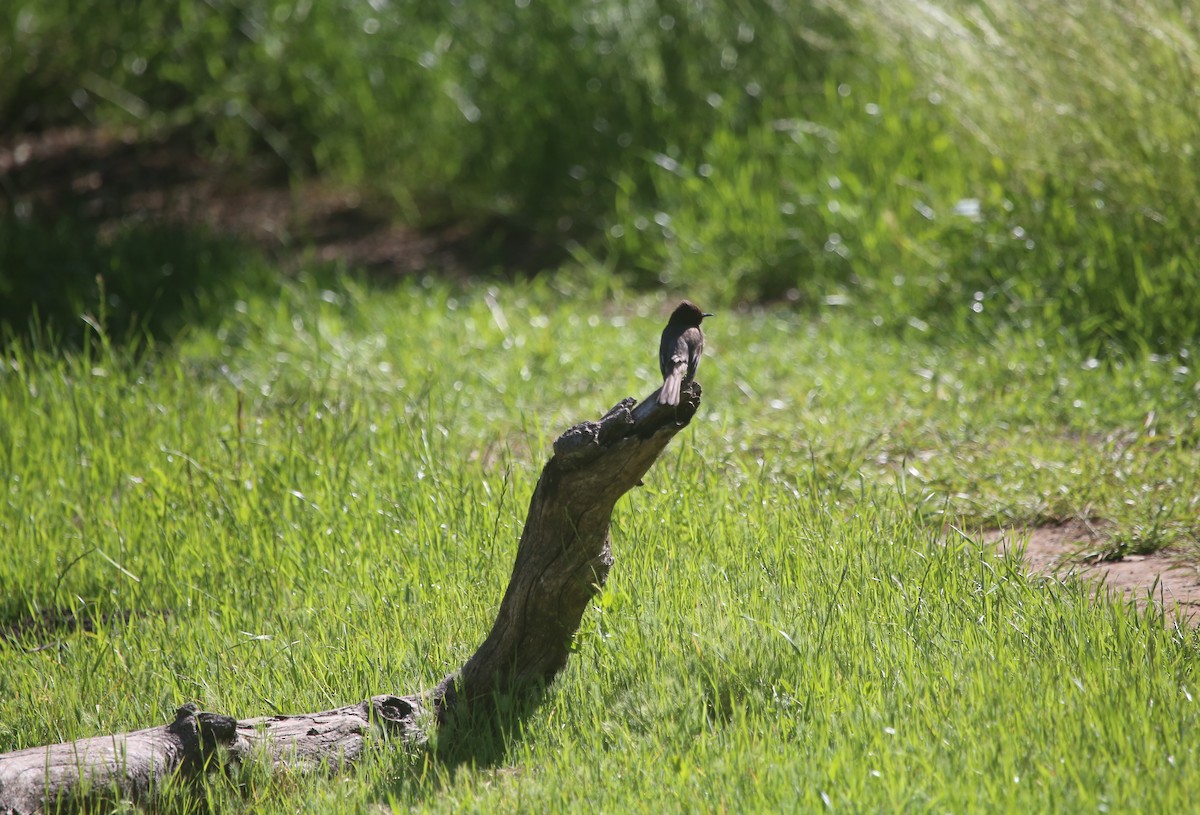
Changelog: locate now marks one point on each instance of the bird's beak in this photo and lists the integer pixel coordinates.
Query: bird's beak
(706, 314)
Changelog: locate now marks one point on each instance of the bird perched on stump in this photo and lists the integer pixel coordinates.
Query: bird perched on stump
(680, 349)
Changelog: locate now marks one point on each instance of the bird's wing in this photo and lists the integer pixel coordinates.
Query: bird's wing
(682, 352)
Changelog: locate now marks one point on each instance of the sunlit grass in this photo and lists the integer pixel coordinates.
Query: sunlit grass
(319, 499)
(967, 165)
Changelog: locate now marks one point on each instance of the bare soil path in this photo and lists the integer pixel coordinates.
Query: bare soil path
(1067, 551)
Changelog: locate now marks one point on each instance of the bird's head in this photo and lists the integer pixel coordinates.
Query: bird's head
(688, 313)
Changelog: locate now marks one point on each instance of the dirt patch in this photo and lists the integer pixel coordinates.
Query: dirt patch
(1071, 551)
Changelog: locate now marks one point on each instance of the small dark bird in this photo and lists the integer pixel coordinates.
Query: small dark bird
(680, 349)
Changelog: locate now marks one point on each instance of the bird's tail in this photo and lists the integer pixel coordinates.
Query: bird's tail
(668, 394)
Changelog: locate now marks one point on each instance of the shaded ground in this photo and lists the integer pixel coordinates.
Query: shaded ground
(1069, 550)
(116, 178)
(38, 632)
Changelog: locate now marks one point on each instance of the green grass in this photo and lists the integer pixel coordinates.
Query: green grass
(318, 497)
(1009, 162)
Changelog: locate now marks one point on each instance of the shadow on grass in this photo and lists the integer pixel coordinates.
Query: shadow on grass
(482, 741)
(167, 227)
(63, 282)
(48, 628)
(483, 737)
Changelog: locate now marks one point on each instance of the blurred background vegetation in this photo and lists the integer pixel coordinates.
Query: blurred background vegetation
(944, 166)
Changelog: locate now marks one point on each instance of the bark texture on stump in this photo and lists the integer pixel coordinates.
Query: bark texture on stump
(562, 561)
(564, 554)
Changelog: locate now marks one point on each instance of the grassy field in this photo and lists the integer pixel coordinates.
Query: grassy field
(953, 250)
(317, 498)
(1015, 162)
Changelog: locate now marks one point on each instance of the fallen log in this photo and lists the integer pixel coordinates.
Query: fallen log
(562, 561)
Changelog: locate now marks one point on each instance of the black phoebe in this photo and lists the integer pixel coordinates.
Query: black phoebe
(679, 350)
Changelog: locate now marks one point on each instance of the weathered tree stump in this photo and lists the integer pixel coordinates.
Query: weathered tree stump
(562, 561)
